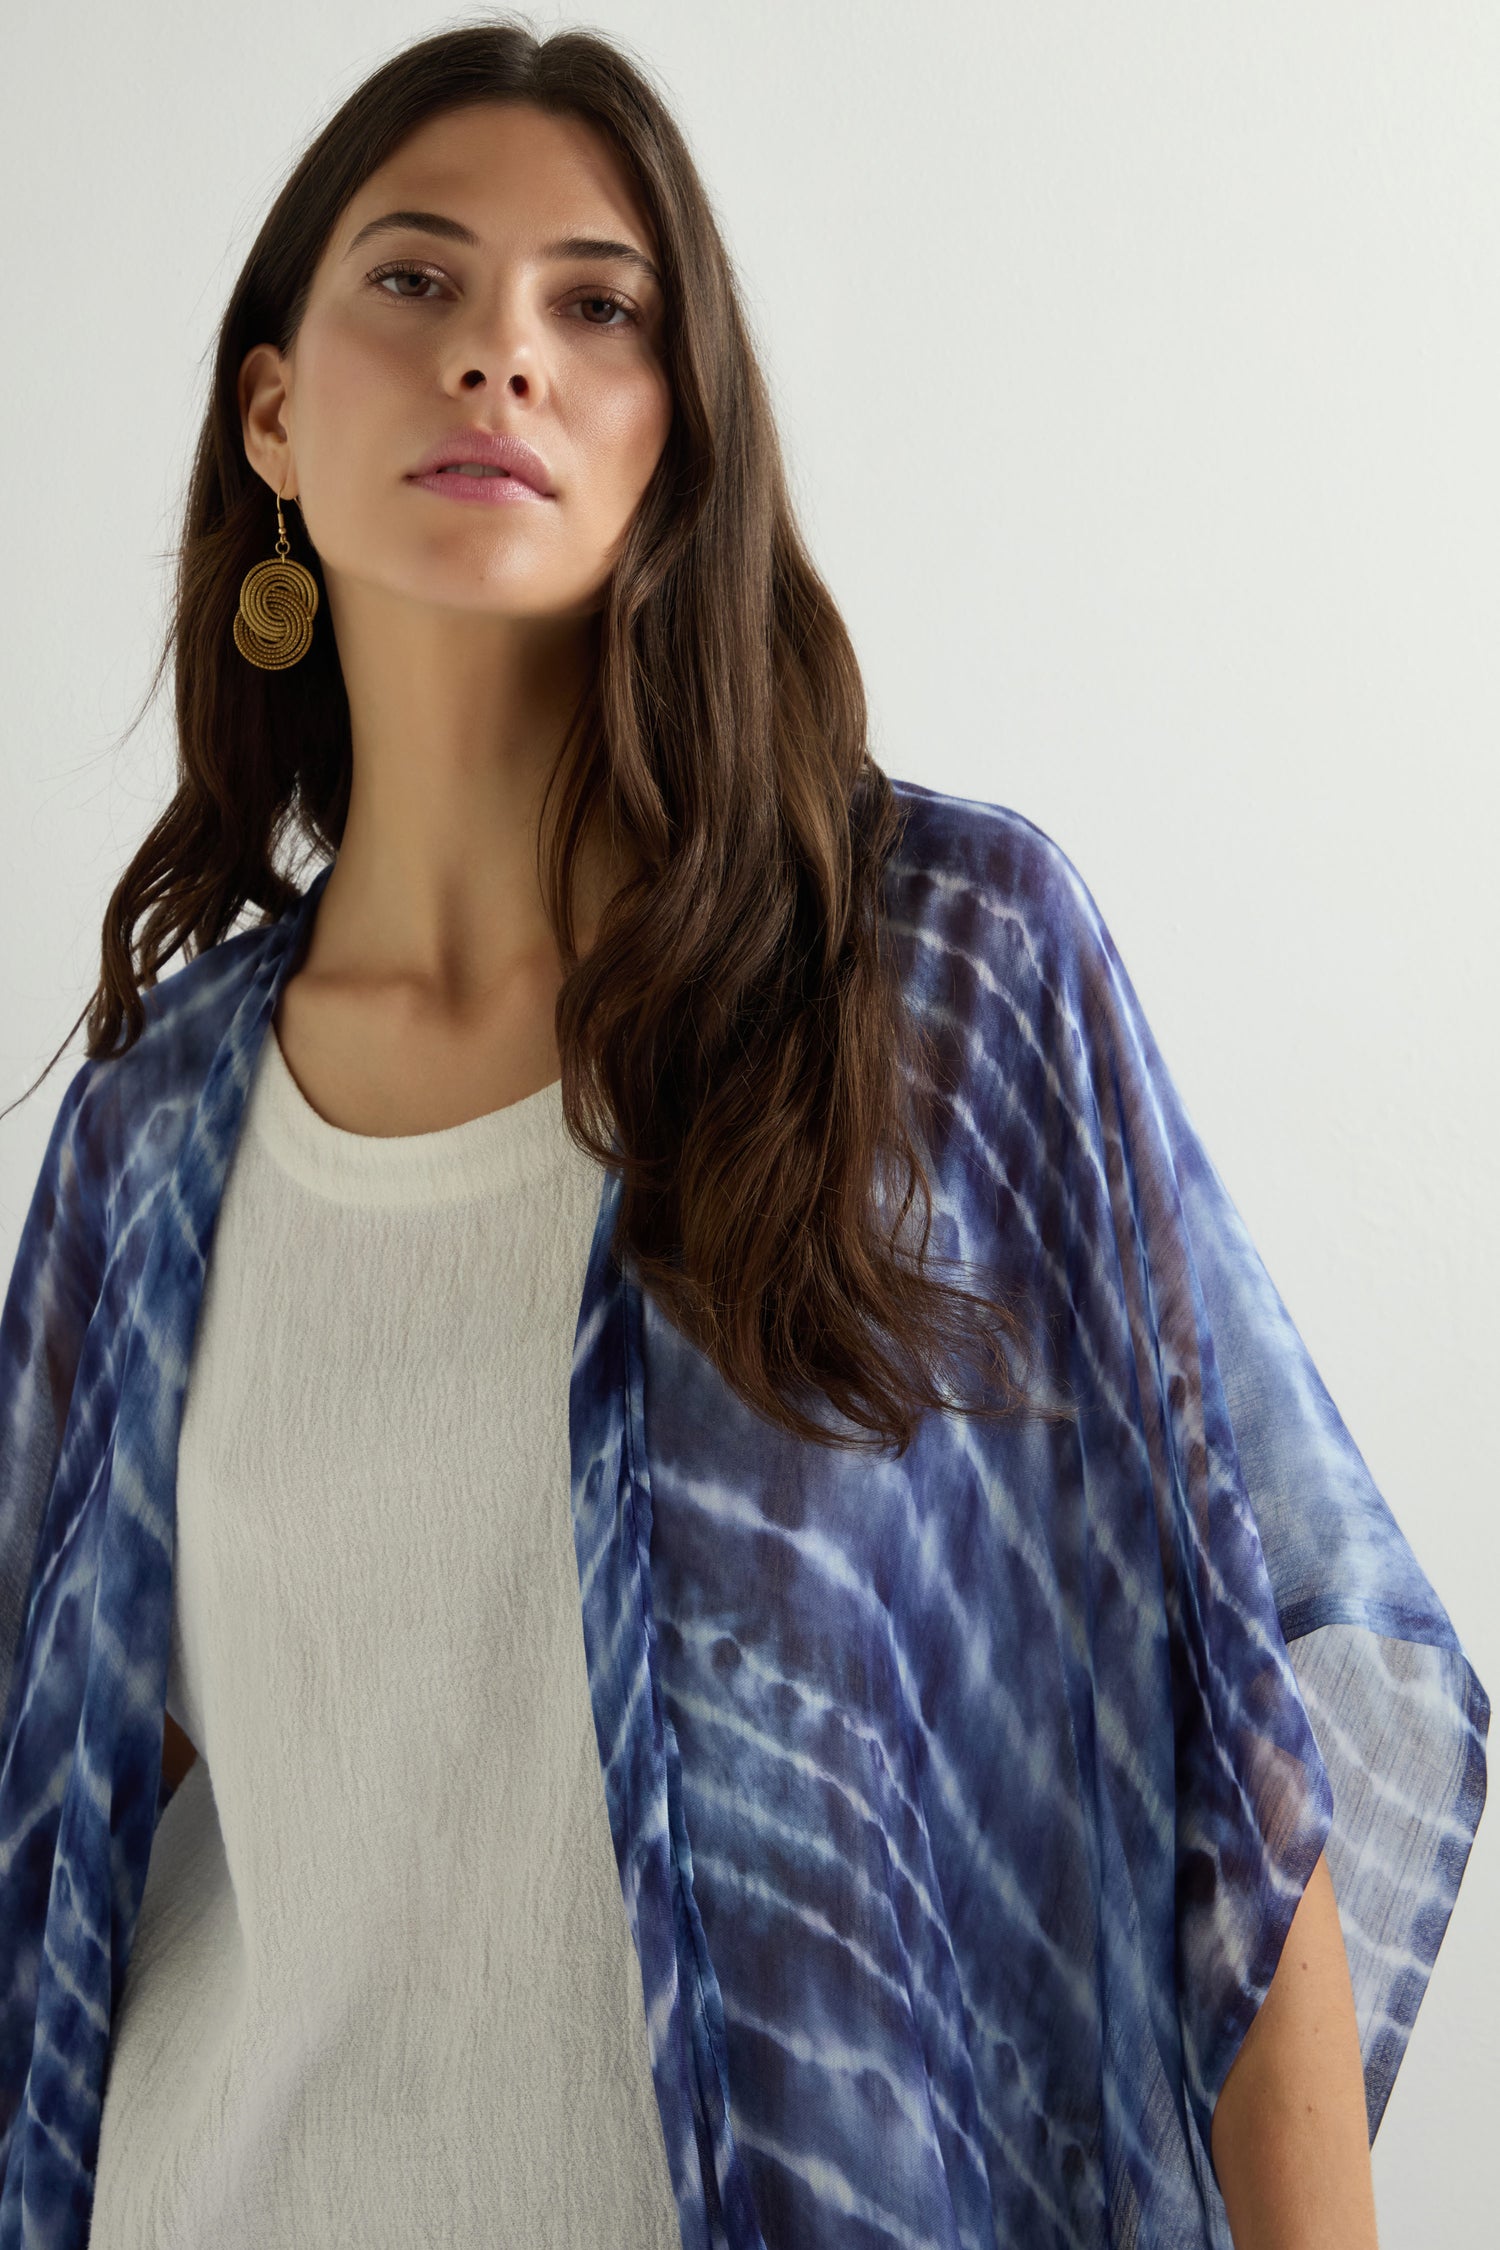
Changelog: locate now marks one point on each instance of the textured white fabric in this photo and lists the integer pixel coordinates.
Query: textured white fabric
(404, 2007)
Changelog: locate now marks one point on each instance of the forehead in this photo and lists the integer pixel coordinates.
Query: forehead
(504, 167)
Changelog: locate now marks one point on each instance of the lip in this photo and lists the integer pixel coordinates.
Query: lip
(482, 492)
(495, 449)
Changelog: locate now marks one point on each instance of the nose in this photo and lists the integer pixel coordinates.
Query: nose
(517, 383)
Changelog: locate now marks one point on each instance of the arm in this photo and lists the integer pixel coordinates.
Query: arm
(1290, 2134)
(177, 1752)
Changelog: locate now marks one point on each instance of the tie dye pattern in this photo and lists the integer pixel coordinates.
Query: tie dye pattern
(961, 1803)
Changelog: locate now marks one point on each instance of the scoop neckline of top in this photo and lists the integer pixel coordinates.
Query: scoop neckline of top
(429, 1133)
(500, 1149)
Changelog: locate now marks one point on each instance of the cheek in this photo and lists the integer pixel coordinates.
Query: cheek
(347, 373)
(630, 421)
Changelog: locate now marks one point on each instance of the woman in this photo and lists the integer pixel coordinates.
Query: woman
(541, 1707)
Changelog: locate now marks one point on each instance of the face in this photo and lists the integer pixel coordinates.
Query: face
(412, 336)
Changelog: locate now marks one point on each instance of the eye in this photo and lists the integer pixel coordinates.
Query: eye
(422, 273)
(397, 272)
(609, 297)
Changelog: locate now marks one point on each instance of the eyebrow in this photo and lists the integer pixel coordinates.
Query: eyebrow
(454, 230)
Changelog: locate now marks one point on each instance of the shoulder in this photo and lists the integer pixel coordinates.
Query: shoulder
(123, 1113)
(979, 880)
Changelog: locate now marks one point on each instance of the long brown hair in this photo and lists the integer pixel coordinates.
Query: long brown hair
(736, 1041)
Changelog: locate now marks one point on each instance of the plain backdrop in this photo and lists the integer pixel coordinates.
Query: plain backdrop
(1138, 372)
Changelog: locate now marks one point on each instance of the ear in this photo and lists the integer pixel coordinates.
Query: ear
(262, 392)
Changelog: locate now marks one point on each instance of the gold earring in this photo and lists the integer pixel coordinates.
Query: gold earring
(278, 602)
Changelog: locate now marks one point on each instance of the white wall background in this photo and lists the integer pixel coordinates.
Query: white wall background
(1188, 317)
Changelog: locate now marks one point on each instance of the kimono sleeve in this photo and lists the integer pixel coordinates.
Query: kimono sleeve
(1322, 1701)
(54, 1287)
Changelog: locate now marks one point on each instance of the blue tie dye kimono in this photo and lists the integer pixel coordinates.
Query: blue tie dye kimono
(961, 1802)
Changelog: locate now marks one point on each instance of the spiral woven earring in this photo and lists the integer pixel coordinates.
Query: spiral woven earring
(278, 602)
